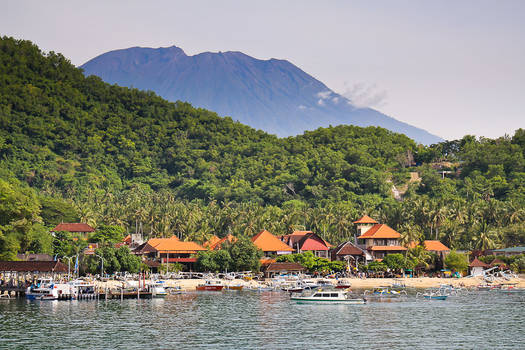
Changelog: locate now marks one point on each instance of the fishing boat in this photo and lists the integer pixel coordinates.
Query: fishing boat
(42, 289)
(343, 285)
(234, 287)
(433, 294)
(210, 285)
(385, 292)
(335, 296)
(157, 289)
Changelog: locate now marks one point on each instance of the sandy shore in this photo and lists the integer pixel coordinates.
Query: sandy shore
(358, 283)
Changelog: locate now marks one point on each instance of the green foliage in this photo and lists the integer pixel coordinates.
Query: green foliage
(108, 234)
(115, 260)
(73, 148)
(214, 261)
(245, 256)
(394, 261)
(377, 266)
(65, 245)
(313, 263)
(456, 261)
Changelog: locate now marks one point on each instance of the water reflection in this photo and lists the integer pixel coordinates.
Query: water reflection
(250, 320)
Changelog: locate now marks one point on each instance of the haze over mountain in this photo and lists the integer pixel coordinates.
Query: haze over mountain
(271, 95)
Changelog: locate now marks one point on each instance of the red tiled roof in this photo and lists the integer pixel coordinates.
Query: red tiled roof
(435, 246)
(33, 266)
(477, 263)
(186, 260)
(284, 266)
(127, 239)
(380, 231)
(218, 245)
(267, 242)
(173, 245)
(376, 248)
(365, 220)
(267, 261)
(214, 239)
(73, 227)
(348, 248)
(312, 244)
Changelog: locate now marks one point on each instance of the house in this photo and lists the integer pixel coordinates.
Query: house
(509, 251)
(217, 244)
(303, 241)
(79, 228)
(169, 250)
(477, 267)
(270, 245)
(433, 246)
(377, 239)
(282, 268)
(211, 242)
(348, 251)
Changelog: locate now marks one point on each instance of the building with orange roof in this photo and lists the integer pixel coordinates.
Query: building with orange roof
(210, 242)
(303, 241)
(433, 246)
(378, 239)
(270, 245)
(79, 228)
(169, 250)
(218, 245)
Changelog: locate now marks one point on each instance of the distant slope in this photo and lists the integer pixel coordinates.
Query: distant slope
(272, 95)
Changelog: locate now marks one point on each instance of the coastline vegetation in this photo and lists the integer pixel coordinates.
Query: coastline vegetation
(73, 148)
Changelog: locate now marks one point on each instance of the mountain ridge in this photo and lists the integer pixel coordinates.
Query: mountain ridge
(273, 95)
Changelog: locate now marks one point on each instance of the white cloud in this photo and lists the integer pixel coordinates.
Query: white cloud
(362, 95)
(320, 102)
(323, 95)
(302, 107)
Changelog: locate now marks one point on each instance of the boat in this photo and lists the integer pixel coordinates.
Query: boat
(157, 290)
(210, 285)
(433, 294)
(335, 296)
(343, 285)
(234, 287)
(385, 292)
(82, 290)
(42, 289)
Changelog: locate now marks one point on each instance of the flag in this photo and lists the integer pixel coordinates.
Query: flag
(76, 265)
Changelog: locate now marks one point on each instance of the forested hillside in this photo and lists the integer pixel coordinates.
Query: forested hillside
(76, 148)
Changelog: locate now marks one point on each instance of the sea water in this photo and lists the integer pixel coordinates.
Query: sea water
(268, 320)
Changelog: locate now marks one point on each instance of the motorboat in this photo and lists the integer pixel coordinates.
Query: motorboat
(433, 294)
(42, 289)
(210, 285)
(385, 292)
(234, 287)
(157, 289)
(336, 296)
(343, 285)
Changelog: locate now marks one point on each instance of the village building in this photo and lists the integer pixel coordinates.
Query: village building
(348, 251)
(509, 251)
(377, 239)
(168, 251)
(433, 246)
(304, 241)
(282, 268)
(217, 244)
(81, 229)
(477, 267)
(270, 244)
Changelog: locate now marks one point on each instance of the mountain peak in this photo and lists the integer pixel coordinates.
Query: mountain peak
(273, 95)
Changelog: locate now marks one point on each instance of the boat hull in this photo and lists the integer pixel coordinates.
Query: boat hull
(435, 297)
(210, 288)
(300, 300)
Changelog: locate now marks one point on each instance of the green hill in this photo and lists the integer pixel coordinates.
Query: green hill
(76, 148)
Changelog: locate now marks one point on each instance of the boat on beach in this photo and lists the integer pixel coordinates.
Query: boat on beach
(336, 296)
(210, 285)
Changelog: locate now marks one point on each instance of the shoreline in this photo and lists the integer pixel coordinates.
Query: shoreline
(358, 283)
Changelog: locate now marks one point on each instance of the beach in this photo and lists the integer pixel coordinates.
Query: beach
(357, 283)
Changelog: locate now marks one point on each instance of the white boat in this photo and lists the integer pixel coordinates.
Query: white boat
(42, 289)
(158, 290)
(335, 296)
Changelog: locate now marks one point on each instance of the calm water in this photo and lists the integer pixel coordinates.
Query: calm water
(249, 320)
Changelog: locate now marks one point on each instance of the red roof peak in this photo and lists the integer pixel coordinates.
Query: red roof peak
(365, 220)
(73, 227)
(477, 263)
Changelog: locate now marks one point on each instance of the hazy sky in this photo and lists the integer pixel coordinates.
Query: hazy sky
(450, 67)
